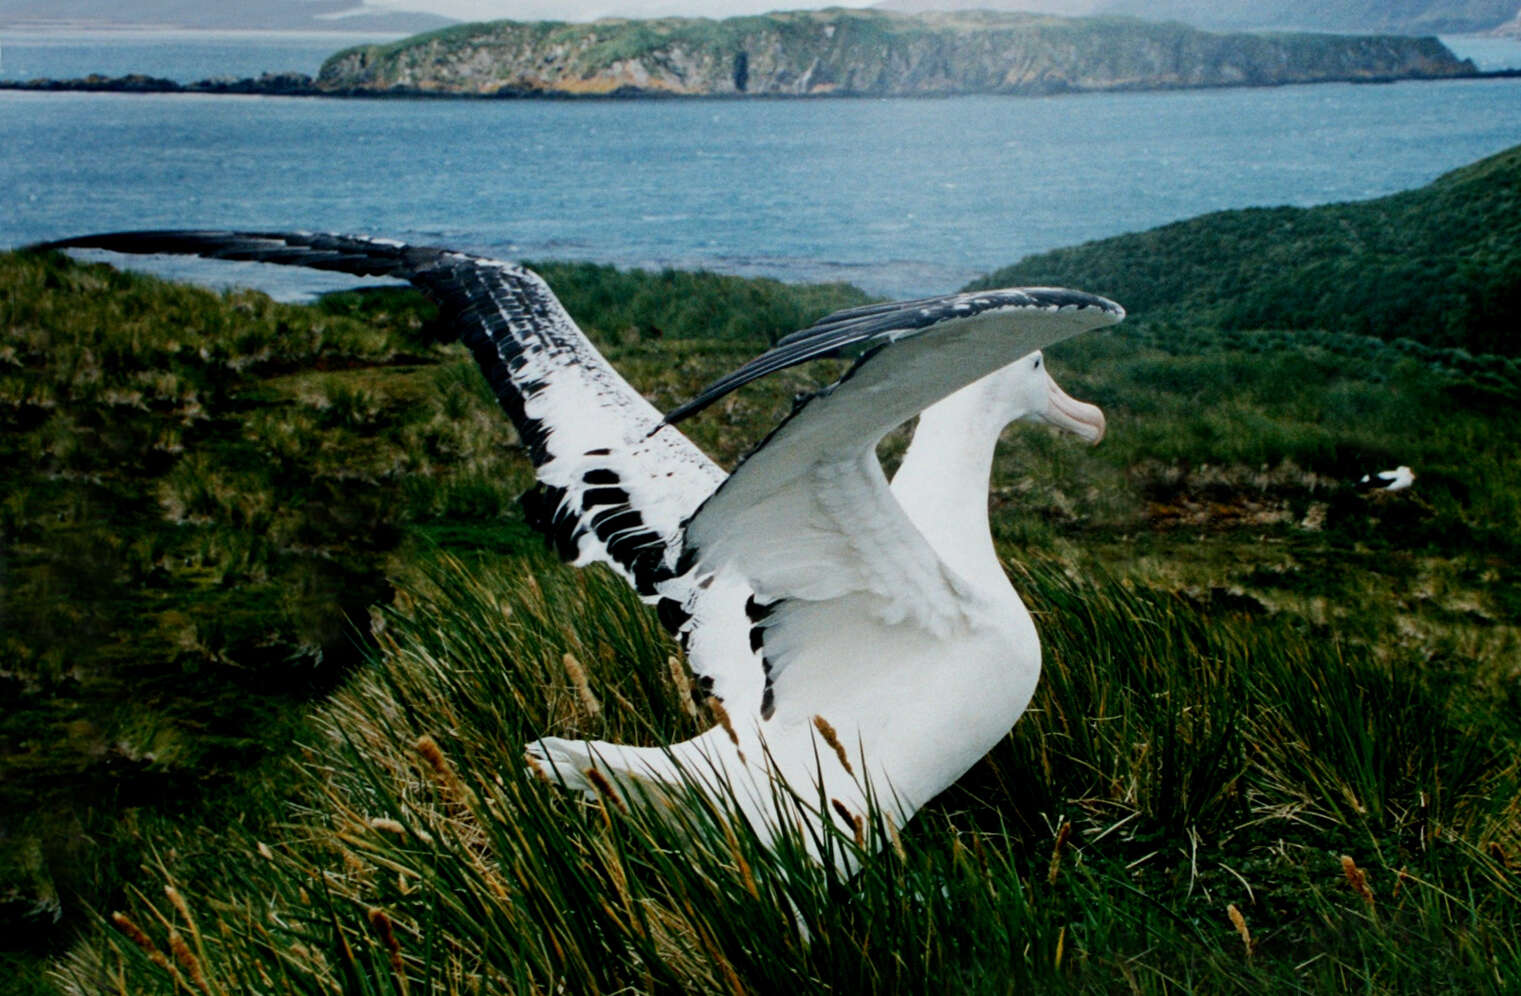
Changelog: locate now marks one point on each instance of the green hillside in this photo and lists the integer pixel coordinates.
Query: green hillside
(205, 494)
(1440, 265)
(255, 557)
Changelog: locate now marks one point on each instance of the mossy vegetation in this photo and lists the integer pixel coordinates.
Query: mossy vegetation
(204, 496)
(1200, 798)
(275, 633)
(1440, 265)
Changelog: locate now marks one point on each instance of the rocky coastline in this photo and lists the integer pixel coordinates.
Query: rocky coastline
(870, 53)
(303, 85)
(269, 84)
(824, 54)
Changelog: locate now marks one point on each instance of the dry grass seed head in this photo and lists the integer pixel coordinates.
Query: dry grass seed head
(442, 770)
(604, 787)
(1056, 851)
(722, 715)
(1239, 922)
(139, 937)
(188, 961)
(894, 836)
(387, 825)
(589, 702)
(683, 685)
(1356, 878)
(387, 934)
(833, 740)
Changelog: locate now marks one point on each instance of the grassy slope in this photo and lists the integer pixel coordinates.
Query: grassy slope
(1440, 265)
(1260, 673)
(203, 497)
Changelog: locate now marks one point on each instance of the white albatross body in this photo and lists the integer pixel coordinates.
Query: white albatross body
(862, 638)
(1398, 479)
(888, 619)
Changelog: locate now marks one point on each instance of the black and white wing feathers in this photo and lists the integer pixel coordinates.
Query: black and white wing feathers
(615, 485)
(808, 523)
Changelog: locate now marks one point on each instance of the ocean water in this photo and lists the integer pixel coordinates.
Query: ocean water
(182, 56)
(901, 197)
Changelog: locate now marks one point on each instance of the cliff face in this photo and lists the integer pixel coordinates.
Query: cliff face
(867, 53)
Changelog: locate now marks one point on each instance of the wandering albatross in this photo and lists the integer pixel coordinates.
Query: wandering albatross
(862, 637)
(1398, 479)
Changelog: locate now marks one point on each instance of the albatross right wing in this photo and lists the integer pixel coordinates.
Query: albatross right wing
(808, 523)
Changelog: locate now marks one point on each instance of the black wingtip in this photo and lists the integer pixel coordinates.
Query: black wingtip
(149, 240)
(57, 245)
(356, 255)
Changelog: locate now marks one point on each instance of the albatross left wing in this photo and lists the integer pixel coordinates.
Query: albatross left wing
(615, 483)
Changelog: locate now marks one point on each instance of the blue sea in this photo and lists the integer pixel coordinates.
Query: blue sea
(901, 197)
(182, 56)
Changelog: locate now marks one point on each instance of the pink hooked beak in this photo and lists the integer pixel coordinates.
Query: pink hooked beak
(1077, 417)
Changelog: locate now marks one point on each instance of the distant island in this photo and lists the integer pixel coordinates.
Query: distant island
(867, 53)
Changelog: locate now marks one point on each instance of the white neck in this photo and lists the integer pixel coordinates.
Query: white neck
(943, 483)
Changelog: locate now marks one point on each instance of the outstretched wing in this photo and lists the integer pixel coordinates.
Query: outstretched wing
(615, 483)
(873, 326)
(807, 522)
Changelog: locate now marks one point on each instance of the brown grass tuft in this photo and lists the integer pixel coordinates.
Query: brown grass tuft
(604, 787)
(855, 820)
(722, 715)
(683, 685)
(589, 702)
(1239, 922)
(1056, 851)
(894, 837)
(387, 934)
(1357, 879)
(137, 936)
(188, 961)
(833, 740)
(442, 770)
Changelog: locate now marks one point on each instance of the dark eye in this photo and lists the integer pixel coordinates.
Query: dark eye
(1037, 364)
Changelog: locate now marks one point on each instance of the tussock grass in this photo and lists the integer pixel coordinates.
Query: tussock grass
(1251, 671)
(1178, 764)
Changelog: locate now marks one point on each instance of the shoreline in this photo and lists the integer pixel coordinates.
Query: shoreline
(293, 84)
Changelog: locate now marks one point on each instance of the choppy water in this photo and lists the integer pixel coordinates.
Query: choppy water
(899, 196)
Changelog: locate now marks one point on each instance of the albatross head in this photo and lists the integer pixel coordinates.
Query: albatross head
(1025, 390)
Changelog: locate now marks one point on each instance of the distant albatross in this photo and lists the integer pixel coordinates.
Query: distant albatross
(1398, 479)
(862, 637)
